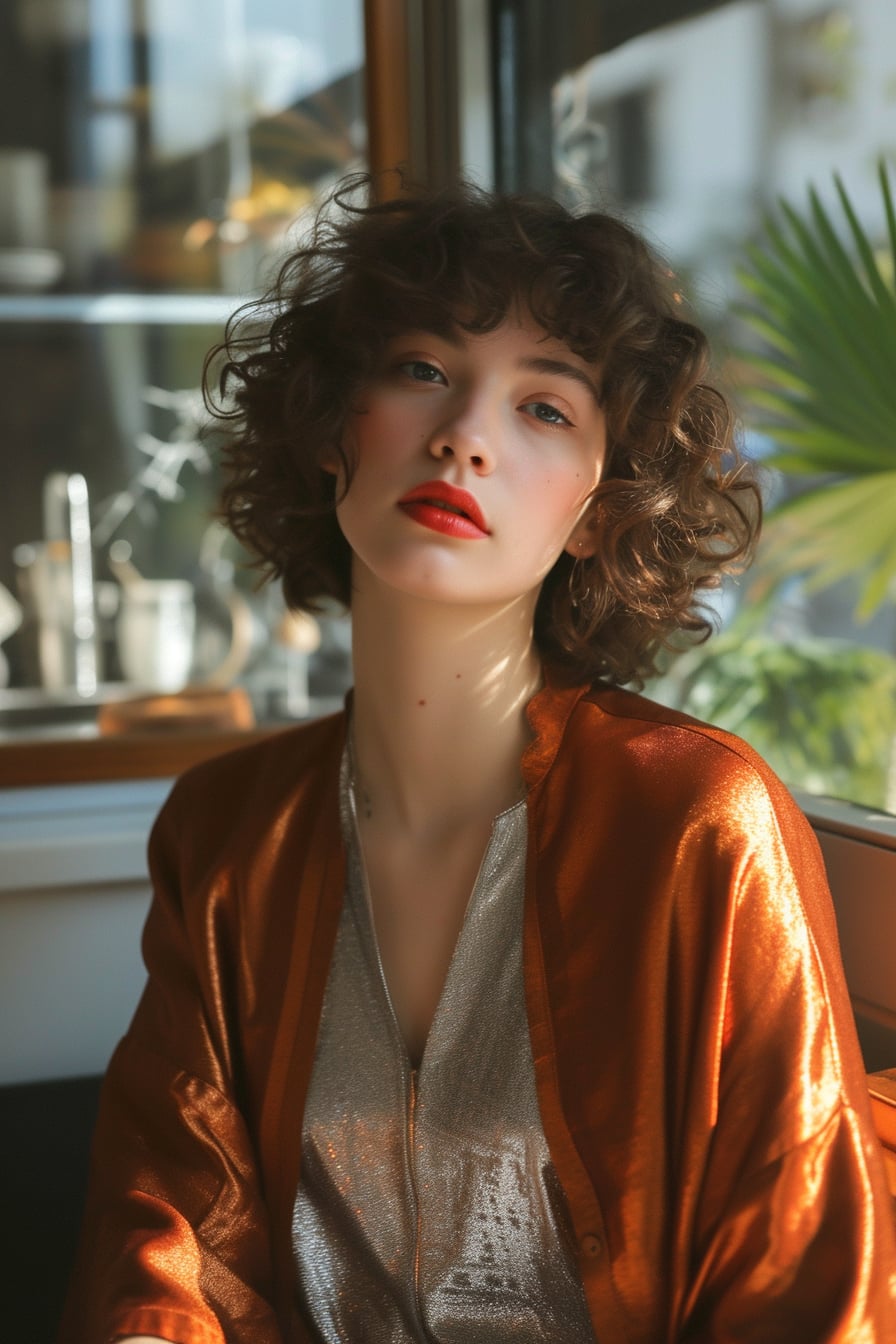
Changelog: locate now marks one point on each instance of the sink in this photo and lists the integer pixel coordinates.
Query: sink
(31, 712)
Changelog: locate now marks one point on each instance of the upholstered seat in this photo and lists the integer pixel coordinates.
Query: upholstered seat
(45, 1133)
(882, 1091)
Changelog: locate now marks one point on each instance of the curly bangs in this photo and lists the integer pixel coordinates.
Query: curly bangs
(675, 508)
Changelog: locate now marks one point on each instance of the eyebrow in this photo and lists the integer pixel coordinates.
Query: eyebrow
(541, 364)
(535, 364)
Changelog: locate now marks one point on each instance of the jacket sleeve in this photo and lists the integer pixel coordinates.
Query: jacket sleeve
(803, 1252)
(175, 1239)
(795, 1228)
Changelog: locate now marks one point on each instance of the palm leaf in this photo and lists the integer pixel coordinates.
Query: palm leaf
(823, 328)
(837, 531)
(822, 453)
(826, 349)
(857, 428)
(824, 388)
(761, 324)
(826, 276)
(882, 294)
(774, 372)
(889, 209)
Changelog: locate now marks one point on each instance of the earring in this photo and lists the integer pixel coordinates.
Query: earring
(578, 583)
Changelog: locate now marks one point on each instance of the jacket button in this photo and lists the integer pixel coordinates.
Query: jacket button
(590, 1246)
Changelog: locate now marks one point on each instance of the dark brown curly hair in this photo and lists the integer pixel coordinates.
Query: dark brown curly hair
(676, 505)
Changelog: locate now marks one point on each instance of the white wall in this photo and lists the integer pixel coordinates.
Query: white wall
(733, 125)
(74, 892)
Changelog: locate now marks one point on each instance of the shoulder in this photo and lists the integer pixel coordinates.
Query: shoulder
(648, 736)
(656, 727)
(254, 785)
(274, 759)
(688, 808)
(672, 769)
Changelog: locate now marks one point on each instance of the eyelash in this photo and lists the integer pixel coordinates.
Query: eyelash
(409, 366)
(546, 405)
(419, 364)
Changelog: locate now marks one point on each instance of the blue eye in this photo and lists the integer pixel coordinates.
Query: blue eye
(421, 371)
(547, 414)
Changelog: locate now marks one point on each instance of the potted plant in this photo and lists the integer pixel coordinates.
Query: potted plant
(824, 389)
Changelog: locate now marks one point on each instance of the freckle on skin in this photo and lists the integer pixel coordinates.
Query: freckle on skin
(421, 702)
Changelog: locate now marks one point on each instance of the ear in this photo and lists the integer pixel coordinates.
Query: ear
(331, 462)
(582, 543)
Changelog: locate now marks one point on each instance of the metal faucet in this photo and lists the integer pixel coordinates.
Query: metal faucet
(67, 535)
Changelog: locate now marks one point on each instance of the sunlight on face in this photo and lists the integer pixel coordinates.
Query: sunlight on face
(476, 459)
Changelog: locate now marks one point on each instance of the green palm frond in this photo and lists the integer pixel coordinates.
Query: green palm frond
(840, 529)
(824, 307)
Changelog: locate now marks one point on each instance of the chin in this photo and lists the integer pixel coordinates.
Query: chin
(448, 579)
(448, 591)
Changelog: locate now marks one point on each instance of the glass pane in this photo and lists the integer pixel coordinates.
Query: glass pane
(159, 145)
(155, 158)
(697, 129)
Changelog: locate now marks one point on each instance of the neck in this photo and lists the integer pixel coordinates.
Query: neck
(439, 708)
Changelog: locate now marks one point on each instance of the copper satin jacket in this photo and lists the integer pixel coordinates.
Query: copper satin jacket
(700, 1085)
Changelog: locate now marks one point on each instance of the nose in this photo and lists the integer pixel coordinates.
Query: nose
(465, 437)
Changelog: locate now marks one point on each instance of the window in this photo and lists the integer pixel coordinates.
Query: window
(695, 129)
(154, 158)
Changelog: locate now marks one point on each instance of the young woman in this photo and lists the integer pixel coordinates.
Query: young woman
(505, 1005)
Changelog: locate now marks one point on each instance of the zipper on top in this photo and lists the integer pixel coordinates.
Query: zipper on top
(409, 1080)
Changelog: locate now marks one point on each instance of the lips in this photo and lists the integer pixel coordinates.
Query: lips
(445, 508)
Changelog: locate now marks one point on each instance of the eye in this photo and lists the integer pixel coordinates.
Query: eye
(546, 413)
(421, 371)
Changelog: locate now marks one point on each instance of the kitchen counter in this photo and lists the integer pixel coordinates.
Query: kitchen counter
(60, 758)
(61, 743)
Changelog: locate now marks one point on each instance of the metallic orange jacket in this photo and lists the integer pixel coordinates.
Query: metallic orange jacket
(701, 1088)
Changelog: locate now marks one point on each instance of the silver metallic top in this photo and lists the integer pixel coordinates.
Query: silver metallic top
(428, 1208)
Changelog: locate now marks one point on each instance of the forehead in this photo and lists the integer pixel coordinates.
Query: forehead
(514, 331)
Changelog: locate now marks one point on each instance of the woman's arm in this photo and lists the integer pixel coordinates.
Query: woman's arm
(795, 1236)
(175, 1239)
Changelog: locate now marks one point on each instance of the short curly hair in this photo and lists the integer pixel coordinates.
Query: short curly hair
(676, 505)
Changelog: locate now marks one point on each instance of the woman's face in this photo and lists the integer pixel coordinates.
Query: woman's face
(476, 458)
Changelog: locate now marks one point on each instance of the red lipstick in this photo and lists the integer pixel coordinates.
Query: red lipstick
(445, 508)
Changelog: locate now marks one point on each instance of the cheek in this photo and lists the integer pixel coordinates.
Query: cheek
(564, 495)
(361, 443)
(388, 429)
